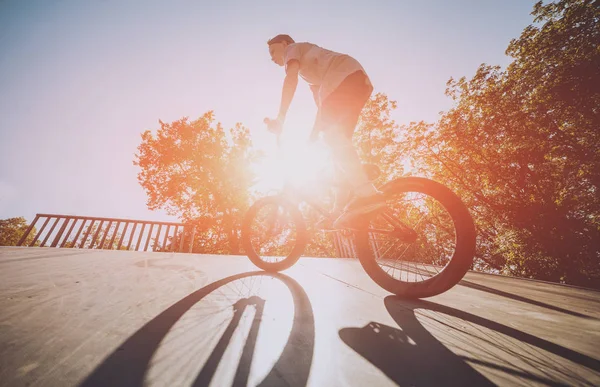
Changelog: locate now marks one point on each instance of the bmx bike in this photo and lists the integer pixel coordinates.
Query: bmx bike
(420, 244)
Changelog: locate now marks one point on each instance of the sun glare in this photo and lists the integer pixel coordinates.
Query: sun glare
(295, 161)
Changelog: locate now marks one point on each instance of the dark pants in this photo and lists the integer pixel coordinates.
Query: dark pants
(338, 117)
(343, 106)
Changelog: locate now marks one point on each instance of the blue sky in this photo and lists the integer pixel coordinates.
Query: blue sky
(80, 80)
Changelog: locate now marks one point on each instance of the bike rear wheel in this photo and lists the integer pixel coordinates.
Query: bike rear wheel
(421, 244)
(274, 234)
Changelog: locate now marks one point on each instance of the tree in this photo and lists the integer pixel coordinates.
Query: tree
(521, 148)
(376, 137)
(12, 229)
(193, 170)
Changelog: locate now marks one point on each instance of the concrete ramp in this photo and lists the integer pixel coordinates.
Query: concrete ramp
(73, 317)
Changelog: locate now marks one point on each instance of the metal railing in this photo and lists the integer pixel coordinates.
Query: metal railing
(109, 237)
(344, 246)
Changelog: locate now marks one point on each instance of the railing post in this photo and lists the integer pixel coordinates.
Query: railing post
(180, 250)
(87, 233)
(137, 246)
(68, 232)
(96, 234)
(157, 237)
(192, 240)
(122, 235)
(164, 245)
(39, 232)
(105, 235)
(79, 232)
(22, 240)
(112, 239)
(149, 236)
(60, 232)
(50, 232)
(131, 235)
(174, 240)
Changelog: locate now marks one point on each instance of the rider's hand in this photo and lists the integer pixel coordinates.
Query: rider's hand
(274, 125)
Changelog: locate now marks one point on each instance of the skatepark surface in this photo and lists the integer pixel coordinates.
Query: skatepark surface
(75, 317)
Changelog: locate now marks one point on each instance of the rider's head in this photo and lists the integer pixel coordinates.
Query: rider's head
(277, 47)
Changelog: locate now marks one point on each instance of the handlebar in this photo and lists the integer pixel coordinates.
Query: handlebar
(314, 135)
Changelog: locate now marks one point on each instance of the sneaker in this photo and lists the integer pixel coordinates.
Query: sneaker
(359, 206)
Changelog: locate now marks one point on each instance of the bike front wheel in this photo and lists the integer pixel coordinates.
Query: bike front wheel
(421, 244)
(274, 234)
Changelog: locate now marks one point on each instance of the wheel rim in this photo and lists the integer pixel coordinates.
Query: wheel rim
(418, 247)
(273, 232)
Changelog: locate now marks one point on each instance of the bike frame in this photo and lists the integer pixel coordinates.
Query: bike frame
(401, 230)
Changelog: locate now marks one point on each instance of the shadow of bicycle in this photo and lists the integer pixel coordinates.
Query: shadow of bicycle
(227, 316)
(434, 345)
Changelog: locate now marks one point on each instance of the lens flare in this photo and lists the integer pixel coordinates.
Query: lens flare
(295, 161)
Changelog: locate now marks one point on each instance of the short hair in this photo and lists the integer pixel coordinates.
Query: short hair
(281, 38)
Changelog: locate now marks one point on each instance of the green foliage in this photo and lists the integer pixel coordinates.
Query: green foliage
(376, 137)
(193, 171)
(521, 148)
(12, 229)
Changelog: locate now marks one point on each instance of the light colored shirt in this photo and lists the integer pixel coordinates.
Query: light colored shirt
(322, 69)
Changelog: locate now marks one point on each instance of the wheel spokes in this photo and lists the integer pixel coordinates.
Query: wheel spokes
(273, 233)
(414, 239)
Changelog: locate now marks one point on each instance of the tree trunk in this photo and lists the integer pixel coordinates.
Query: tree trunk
(232, 234)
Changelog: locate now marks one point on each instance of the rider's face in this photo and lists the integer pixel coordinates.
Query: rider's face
(277, 50)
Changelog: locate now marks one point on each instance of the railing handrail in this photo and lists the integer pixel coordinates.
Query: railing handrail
(111, 219)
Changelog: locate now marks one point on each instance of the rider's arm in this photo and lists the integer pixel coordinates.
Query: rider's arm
(289, 87)
(315, 92)
(316, 126)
